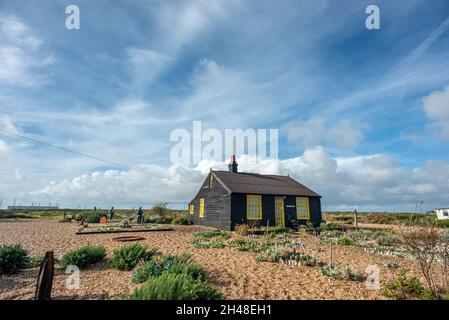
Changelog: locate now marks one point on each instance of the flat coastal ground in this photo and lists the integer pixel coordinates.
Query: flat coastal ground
(237, 274)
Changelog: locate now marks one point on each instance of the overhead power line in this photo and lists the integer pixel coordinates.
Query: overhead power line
(117, 164)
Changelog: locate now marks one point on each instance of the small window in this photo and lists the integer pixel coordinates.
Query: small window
(191, 208)
(302, 208)
(201, 209)
(211, 179)
(254, 207)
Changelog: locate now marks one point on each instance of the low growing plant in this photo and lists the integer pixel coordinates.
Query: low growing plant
(180, 221)
(169, 263)
(404, 288)
(93, 217)
(204, 244)
(387, 240)
(242, 229)
(207, 234)
(172, 286)
(344, 242)
(330, 234)
(353, 275)
(330, 272)
(83, 257)
(34, 262)
(13, 258)
(393, 265)
(128, 256)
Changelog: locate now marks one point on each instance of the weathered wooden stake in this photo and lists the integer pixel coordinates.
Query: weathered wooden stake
(331, 262)
(356, 222)
(268, 225)
(45, 277)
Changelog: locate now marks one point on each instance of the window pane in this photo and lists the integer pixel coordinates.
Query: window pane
(302, 208)
(201, 208)
(254, 207)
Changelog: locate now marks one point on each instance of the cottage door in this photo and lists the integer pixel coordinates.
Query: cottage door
(279, 211)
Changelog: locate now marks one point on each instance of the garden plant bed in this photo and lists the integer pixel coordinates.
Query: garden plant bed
(122, 230)
(236, 273)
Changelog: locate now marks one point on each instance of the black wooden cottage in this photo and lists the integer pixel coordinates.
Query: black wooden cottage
(227, 198)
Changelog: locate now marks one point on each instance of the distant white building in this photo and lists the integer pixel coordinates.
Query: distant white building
(33, 208)
(442, 213)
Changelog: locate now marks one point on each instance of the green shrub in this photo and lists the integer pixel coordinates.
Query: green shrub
(387, 240)
(164, 220)
(276, 230)
(350, 274)
(359, 235)
(83, 257)
(204, 244)
(128, 256)
(34, 262)
(330, 227)
(124, 223)
(405, 288)
(160, 209)
(169, 263)
(245, 245)
(93, 217)
(344, 242)
(392, 265)
(65, 218)
(13, 258)
(217, 244)
(330, 272)
(330, 234)
(242, 229)
(207, 234)
(172, 286)
(180, 221)
(443, 223)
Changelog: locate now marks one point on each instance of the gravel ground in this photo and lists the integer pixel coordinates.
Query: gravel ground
(237, 274)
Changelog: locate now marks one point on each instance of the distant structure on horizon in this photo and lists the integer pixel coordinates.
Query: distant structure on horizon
(33, 208)
(442, 213)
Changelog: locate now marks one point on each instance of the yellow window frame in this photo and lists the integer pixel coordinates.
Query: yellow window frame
(253, 201)
(211, 179)
(302, 208)
(201, 208)
(191, 208)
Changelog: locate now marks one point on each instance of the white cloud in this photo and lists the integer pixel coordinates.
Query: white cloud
(20, 53)
(364, 182)
(7, 125)
(436, 106)
(342, 134)
(219, 95)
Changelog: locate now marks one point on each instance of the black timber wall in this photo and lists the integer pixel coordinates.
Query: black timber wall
(217, 206)
(238, 209)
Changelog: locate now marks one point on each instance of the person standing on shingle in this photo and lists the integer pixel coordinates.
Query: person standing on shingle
(140, 216)
(111, 213)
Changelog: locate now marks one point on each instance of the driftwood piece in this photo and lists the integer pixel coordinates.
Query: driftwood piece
(45, 278)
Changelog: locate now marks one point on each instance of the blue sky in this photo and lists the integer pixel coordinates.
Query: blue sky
(362, 114)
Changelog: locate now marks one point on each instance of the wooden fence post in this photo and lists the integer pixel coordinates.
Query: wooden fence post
(356, 222)
(45, 277)
(331, 253)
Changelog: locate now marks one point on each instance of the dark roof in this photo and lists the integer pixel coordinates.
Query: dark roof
(243, 182)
